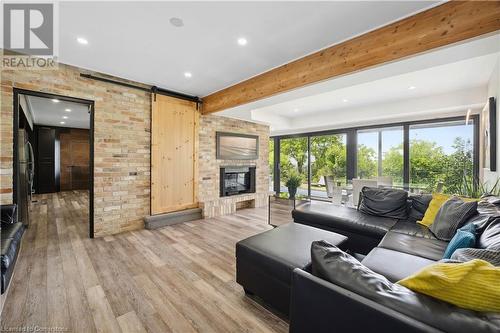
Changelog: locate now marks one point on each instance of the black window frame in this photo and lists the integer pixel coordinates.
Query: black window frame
(351, 146)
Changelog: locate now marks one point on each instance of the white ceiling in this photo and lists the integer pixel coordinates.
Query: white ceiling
(438, 80)
(136, 41)
(447, 82)
(46, 112)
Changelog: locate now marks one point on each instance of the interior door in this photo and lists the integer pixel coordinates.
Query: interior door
(75, 159)
(174, 149)
(46, 173)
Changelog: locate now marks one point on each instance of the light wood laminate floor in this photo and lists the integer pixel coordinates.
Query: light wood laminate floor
(176, 279)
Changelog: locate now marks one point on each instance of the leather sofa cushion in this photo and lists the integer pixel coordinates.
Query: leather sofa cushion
(432, 249)
(11, 240)
(412, 229)
(279, 251)
(14, 231)
(8, 214)
(384, 202)
(490, 237)
(394, 265)
(343, 218)
(339, 268)
(9, 247)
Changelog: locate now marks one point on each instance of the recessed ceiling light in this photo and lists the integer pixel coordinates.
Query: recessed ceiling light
(55, 100)
(296, 110)
(65, 117)
(176, 22)
(67, 110)
(188, 75)
(62, 122)
(345, 100)
(242, 41)
(82, 41)
(411, 87)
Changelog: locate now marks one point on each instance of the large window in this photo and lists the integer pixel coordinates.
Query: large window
(436, 156)
(294, 160)
(441, 157)
(328, 163)
(380, 154)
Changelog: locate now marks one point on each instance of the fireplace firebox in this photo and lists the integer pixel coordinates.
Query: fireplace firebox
(237, 180)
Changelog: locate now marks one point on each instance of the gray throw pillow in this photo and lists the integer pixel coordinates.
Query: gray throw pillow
(384, 202)
(452, 215)
(490, 255)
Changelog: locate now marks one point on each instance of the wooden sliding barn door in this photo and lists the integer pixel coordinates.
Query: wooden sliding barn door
(174, 149)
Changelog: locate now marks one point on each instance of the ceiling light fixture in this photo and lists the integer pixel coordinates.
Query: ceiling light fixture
(82, 41)
(65, 117)
(55, 100)
(345, 100)
(176, 22)
(296, 110)
(62, 122)
(188, 75)
(67, 110)
(242, 41)
(411, 87)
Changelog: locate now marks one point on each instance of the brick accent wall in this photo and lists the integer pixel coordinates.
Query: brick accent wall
(209, 166)
(121, 148)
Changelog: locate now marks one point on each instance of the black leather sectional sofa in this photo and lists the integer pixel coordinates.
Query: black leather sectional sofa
(275, 266)
(395, 249)
(11, 232)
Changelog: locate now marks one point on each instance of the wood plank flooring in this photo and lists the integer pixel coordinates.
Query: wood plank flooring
(179, 278)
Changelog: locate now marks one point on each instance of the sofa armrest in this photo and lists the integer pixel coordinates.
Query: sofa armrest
(8, 214)
(319, 306)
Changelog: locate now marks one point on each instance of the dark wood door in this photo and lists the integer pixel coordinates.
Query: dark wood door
(46, 173)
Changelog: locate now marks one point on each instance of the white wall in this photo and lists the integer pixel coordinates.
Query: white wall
(494, 91)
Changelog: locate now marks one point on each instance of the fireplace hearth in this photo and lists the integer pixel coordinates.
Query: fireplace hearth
(236, 180)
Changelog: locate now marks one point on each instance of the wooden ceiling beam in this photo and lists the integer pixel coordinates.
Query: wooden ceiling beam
(445, 24)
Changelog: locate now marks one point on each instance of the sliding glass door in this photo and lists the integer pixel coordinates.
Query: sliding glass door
(294, 161)
(328, 164)
(441, 156)
(380, 155)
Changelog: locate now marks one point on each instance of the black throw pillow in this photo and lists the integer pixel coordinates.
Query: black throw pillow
(385, 202)
(419, 204)
(452, 215)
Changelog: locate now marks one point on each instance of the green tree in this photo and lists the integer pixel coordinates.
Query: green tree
(293, 156)
(367, 162)
(329, 153)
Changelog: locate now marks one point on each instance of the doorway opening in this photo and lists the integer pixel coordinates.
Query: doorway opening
(54, 159)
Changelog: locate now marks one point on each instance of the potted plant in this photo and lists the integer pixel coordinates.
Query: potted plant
(292, 183)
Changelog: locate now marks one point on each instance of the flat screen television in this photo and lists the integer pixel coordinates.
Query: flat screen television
(235, 146)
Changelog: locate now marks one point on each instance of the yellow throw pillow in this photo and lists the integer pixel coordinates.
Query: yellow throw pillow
(437, 201)
(470, 285)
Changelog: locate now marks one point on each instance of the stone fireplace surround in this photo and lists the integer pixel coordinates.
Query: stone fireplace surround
(209, 166)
